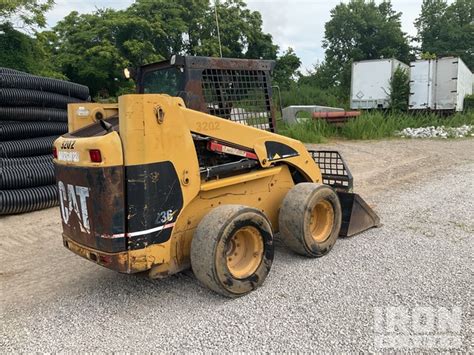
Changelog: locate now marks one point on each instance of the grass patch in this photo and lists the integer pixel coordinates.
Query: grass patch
(370, 125)
(308, 131)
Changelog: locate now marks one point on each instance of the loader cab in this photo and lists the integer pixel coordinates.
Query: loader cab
(236, 89)
(162, 78)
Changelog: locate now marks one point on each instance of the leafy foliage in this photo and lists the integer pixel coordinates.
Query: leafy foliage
(22, 52)
(427, 56)
(87, 50)
(447, 29)
(286, 67)
(360, 30)
(94, 48)
(18, 50)
(25, 13)
(399, 90)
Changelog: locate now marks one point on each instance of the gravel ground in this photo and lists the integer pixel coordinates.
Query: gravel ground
(422, 256)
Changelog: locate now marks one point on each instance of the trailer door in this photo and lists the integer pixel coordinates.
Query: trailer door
(421, 85)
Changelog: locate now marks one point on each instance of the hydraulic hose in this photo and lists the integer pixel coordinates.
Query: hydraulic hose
(32, 114)
(27, 176)
(15, 130)
(26, 200)
(19, 162)
(24, 97)
(33, 82)
(27, 147)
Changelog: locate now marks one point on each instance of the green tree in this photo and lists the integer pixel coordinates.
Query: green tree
(188, 26)
(360, 30)
(23, 52)
(431, 23)
(25, 13)
(92, 49)
(399, 89)
(447, 29)
(85, 48)
(287, 66)
(19, 51)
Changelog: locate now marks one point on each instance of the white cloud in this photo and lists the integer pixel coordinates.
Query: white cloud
(298, 24)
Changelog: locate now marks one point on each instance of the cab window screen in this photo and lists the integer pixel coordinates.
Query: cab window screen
(239, 95)
(163, 81)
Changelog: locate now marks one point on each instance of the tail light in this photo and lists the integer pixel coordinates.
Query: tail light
(95, 155)
(55, 153)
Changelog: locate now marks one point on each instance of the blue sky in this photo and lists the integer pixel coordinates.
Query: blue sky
(298, 24)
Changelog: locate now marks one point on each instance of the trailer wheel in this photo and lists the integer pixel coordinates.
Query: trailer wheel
(232, 250)
(310, 219)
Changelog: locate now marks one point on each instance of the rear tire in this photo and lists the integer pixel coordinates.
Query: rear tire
(310, 219)
(232, 250)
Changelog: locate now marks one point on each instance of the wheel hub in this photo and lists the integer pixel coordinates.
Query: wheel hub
(244, 252)
(322, 220)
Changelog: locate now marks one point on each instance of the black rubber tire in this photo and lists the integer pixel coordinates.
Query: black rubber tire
(26, 200)
(24, 97)
(33, 82)
(32, 114)
(295, 217)
(208, 254)
(21, 130)
(25, 161)
(27, 147)
(27, 176)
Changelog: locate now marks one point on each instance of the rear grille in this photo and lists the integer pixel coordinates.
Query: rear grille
(239, 95)
(333, 169)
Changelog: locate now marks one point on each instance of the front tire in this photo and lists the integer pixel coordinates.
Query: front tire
(232, 250)
(310, 219)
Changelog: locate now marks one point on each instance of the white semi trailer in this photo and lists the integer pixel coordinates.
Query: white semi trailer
(370, 82)
(439, 84)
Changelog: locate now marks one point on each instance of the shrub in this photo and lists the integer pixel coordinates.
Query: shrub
(399, 90)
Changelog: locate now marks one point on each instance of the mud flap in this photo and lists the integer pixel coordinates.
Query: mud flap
(357, 215)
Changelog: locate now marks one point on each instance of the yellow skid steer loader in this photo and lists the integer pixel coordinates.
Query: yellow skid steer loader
(189, 172)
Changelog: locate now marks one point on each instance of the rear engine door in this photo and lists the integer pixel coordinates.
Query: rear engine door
(90, 177)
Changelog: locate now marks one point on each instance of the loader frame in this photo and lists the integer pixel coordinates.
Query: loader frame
(168, 161)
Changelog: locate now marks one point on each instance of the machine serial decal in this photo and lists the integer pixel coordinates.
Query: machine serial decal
(165, 216)
(74, 199)
(68, 145)
(68, 156)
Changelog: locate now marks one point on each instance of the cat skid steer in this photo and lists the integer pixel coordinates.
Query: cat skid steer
(189, 172)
